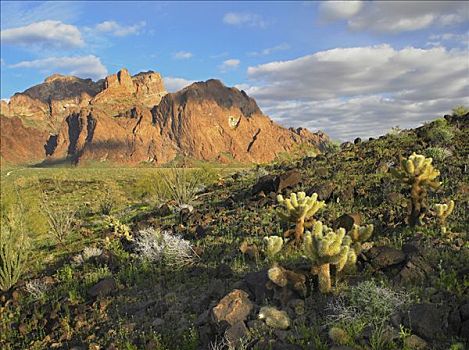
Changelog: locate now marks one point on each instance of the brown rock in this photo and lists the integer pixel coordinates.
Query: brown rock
(384, 256)
(324, 190)
(233, 308)
(104, 287)
(347, 221)
(235, 334)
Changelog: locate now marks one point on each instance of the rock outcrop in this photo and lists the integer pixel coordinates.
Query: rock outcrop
(132, 119)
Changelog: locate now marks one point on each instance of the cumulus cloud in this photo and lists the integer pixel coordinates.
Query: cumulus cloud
(174, 84)
(333, 10)
(114, 28)
(82, 66)
(362, 91)
(453, 38)
(183, 55)
(269, 50)
(44, 33)
(244, 19)
(404, 16)
(230, 64)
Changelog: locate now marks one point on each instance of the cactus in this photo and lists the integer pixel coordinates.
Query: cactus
(360, 234)
(274, 318)
(325, 246)
(442, 212)
(299, 209)
(418, 172)
(283, 277)
(273, 245)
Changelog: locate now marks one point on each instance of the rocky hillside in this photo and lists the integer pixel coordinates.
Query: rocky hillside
(132, 119)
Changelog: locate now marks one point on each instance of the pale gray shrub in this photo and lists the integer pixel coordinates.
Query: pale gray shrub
(36, 288)
(164, 247)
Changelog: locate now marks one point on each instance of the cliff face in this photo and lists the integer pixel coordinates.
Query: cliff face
(127, 119)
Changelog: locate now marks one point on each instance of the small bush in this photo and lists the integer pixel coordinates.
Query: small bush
(14, 248)
(182, 185)
(460, 111)
(60, 217)
(164, 247)
(438, 153)
(36, 288)
(440, 133)
(367, 302)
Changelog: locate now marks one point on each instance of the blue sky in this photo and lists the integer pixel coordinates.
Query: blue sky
(349, 68)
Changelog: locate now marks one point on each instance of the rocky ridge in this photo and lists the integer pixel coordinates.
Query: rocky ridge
(132, 119)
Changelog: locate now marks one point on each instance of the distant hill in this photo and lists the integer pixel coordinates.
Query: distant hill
(132, 119)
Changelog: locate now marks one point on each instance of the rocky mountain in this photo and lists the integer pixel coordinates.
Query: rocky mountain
(132, 119)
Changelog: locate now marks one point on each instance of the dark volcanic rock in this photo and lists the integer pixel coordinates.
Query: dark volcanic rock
(429, 321)
(271, 183)
(384, 256)
(104, 287)
(324, 190)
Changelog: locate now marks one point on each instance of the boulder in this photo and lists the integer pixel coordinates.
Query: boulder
(324, 190)
(104, 287)
(429, 321)
(233, 308)
(347, 221)
(383, 257)
(235, 334)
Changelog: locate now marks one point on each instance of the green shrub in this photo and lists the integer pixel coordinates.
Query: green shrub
(440, 133)
(460, 111)
(61, 218)
(182, 185)
(438, 153)
(14, 248)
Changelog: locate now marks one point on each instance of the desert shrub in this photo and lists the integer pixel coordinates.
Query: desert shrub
(182, 185)
(367, 302)
(440, 133)
(110, 198)
(14, 248)
(331, 147)
(36, 288)
(159, 246)
(438, 153)
(460, 111)
(61, 218)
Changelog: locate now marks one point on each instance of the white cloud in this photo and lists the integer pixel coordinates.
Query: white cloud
(362, 91)
(230, 64)
(81, 66)
(183, 55)
(333, 10)
(270, 50)
(244, 18)
(117, 29)
(404, 16)
(174, 84)
(42, 34)
(453, 38)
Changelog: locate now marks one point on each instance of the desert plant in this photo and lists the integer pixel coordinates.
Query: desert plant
(159, 246)
(300, 209)
(14, 248)
(418, 172)
(460, 111)
(118, 228)
(61, 218)
(182, 185)
(36, 288)
(273, 245)
(442, 212)
(360, 234)
(440, 132)
(324, 247)
(438, 153)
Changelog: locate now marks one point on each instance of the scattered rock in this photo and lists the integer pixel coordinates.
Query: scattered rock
(357, 141)
(224, 271)
(283, 277)
(415, 270)
(384, 256)
(104, 287)
(233, 308)
(256, 284)
(347, 221)
(464, 331)
(250, 250)
(289, 180)
(274, 318)
(464, 311)
(324, 190)
(271, 183)
(428, 321)
(236, 333)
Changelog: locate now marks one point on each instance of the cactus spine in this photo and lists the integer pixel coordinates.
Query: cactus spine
(418, 172)
(442, 212)
(324, 247)
(299, 208)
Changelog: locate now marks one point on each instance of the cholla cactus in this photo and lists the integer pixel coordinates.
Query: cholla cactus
(325, 246)
(442, 212)
(360, 234)
(418, 172)
(273, 244)
(118, 228)
(299, 209)
(274, 318)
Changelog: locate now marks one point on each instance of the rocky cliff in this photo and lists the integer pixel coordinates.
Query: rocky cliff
(131, 119)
